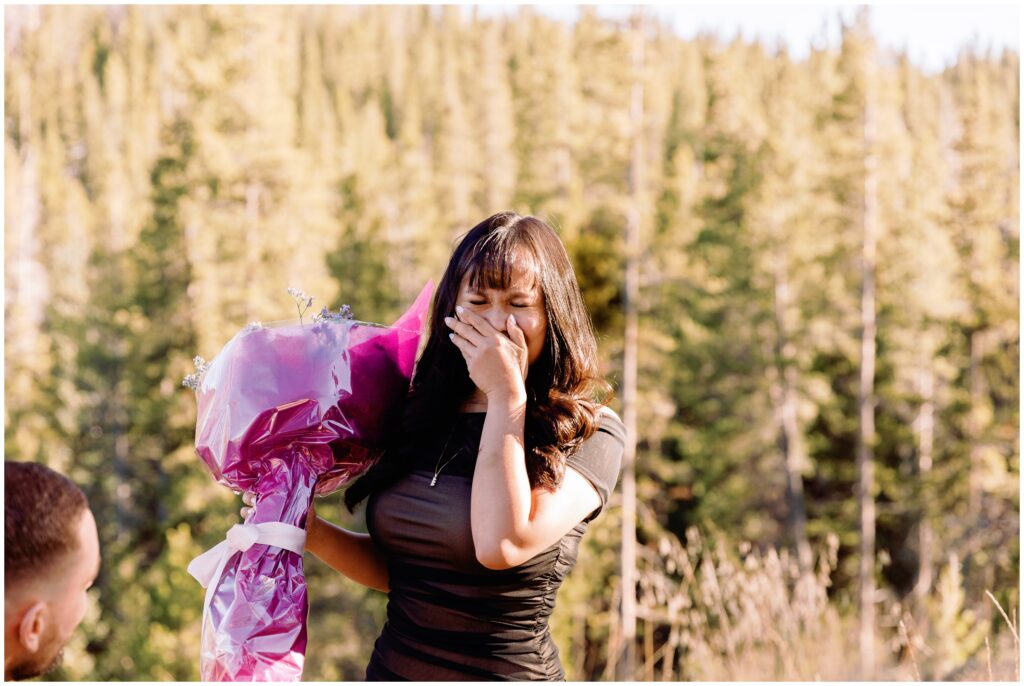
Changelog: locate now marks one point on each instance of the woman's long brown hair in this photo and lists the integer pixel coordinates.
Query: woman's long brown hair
(561, 384)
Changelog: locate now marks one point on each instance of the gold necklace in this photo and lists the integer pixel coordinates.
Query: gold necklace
(437, 469)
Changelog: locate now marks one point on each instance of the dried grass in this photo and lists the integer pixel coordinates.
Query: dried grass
(710, 613)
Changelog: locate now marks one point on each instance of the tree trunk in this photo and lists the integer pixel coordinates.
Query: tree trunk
(252, 244)
(789, 438)
(865, 399)
(26, 288)
(614, 635)
(924, 429)
(119, 422)
(627, 663)
(975, 421)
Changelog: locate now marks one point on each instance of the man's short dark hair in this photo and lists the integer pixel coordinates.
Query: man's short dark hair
(41, 518)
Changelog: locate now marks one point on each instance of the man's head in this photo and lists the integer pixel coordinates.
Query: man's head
(51, 558)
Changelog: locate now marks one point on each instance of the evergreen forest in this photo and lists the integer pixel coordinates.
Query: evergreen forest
(813, 264)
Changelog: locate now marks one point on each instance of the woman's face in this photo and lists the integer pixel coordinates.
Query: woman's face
(524, 300)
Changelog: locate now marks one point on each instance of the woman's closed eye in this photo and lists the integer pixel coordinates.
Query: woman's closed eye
(473, 302)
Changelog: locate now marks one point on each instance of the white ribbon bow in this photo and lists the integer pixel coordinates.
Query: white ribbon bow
(208, 567)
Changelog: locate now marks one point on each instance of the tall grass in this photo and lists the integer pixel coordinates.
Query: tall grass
(708, 611)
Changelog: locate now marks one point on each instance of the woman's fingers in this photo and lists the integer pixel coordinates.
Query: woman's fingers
(461, 343)
(249, 498)
(467, 332)
(489, 353)
(519, 338)
(477, 323)
(514, 332)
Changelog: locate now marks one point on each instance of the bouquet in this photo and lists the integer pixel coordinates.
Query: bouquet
(286, 412)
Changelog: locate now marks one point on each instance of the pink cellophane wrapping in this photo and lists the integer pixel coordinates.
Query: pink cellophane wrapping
(271, 404)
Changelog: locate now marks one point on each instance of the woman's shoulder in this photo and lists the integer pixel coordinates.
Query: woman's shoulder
(599, 458)
(608, 436)
(608, 421)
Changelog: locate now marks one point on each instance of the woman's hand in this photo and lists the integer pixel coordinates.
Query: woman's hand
(497, 362)
(249, 498)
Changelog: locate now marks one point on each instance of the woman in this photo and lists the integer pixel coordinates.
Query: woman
(475, 513)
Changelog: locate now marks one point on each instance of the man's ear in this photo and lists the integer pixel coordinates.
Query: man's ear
(33, 624)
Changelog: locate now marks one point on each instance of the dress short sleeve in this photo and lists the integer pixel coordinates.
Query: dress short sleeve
(599, 459)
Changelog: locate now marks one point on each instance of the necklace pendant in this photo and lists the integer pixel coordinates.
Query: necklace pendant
(433, 482)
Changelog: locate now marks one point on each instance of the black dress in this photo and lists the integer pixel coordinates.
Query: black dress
(449, 618)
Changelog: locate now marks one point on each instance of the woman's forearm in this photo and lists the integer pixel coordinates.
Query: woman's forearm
(353, 554)
(501, 499)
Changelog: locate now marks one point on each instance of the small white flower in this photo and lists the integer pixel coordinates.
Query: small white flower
(193, 380)
(302, 301)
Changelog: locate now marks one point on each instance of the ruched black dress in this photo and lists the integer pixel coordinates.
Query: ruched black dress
(449, 618)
